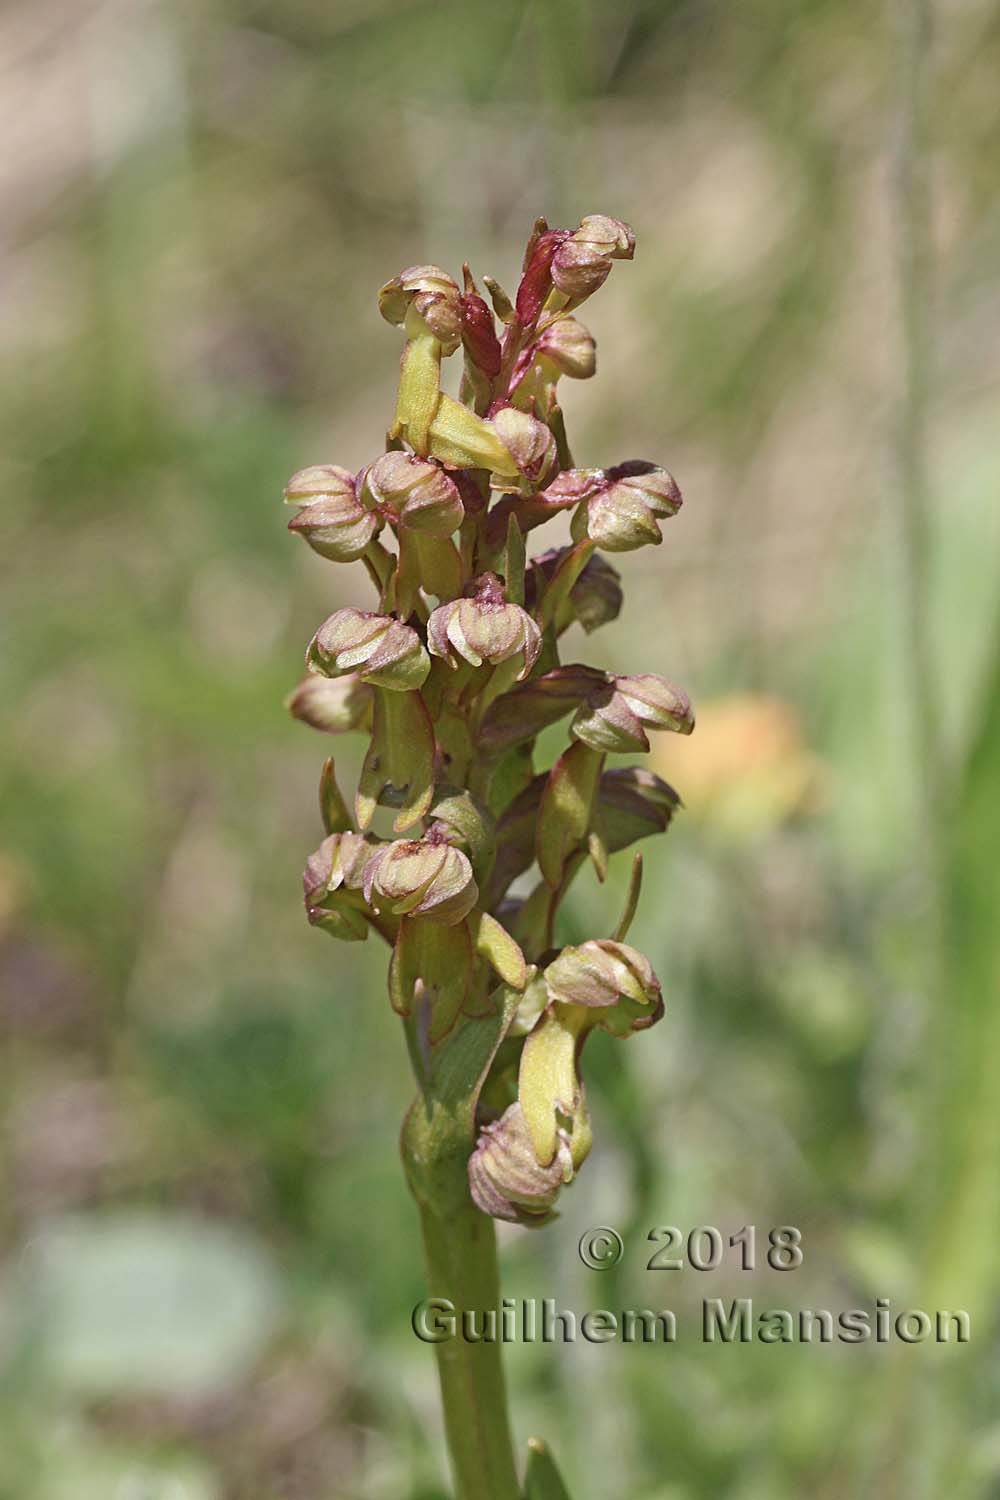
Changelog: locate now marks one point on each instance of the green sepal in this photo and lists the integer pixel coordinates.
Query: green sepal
(399, 763)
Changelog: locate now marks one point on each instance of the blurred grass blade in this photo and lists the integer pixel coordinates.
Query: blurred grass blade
(965, 1270)
(542, 1480)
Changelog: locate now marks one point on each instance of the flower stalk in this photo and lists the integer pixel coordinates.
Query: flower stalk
(453, 673)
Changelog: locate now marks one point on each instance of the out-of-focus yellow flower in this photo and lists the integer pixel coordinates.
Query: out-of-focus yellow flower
(749, 770)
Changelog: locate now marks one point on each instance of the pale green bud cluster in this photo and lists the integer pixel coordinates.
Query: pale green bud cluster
(454, 673)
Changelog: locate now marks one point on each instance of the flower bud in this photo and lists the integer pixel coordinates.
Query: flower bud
(657, 703)
(600, 974)
(607, 723)
(622, 515)
(484, 628)
(529, 442)
(414, 493)
(582, 263)
(433, 295)
(335, 705)
(598, 984)
(337, 527)
(569, 348)
(332, 882)
(382, 650)
(616, 716)
(320, 482)
(506, 1179)
(421, 878)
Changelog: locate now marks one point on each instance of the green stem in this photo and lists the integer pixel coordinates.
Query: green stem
(461, 1259)
(460, 1247)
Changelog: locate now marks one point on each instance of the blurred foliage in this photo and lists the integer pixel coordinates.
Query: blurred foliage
(211, 1257)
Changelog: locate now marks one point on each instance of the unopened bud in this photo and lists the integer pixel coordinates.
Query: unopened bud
(582, 263)
(335, 705)
(657, 703)
(421, 878)
(484, 628)
(600, 973)
(607, 723)
(616, 716)
(529, 442)
(623, 514)
(433, 294)
(569, 347)
(381, 649)
(598, 984)
(413, 492)
(319, 482)
(337, 527)
(332, 885)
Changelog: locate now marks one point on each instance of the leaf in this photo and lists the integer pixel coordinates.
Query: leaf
(962, 1262)
(542, 1480)
(134, 1303)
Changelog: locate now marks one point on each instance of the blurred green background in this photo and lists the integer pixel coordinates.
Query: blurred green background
(210, 1256)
